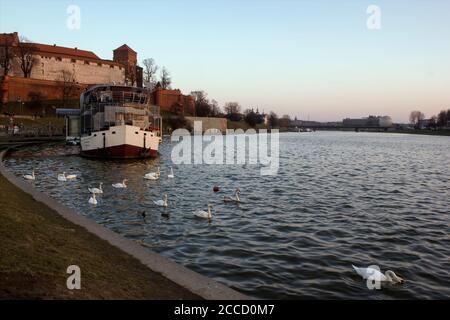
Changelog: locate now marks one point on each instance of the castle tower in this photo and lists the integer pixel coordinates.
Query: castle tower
(128, 57)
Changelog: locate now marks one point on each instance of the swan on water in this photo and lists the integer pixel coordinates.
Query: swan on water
(204, 214)
(30, 176)
(171, 175)
(120, 184)
(162, 203)
(236, 198)
(92, 199)
(62, 176)
(152, 175)
(98, 190)
(375, 274)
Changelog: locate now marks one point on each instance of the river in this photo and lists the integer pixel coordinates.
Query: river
(339, 198)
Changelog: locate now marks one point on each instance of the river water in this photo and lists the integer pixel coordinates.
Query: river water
(339, 198)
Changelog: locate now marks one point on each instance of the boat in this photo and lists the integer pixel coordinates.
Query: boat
(119, 122)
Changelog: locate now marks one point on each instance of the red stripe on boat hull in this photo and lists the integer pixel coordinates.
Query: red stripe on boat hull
(124, 151)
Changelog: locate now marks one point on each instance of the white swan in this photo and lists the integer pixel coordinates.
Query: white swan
(92, 199)
(98, 190)
(171, 175)
(162, 203)
(152, 175)
(71, 176)
(375, 274)
(120, 184)
(204, 214)
(30, 176)
(236, 198)
(62, 176)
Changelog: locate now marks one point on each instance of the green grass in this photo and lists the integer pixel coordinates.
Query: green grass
(37, 246)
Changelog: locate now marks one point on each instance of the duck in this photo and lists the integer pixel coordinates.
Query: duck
(162, 203)
(375, 274)
(120, 184)
(71, 176)
(98, 190)
(171, 175)
(30, 176)
(152, 175)
(62, 176)
(92, 199)
(204, 214)
(236, 198)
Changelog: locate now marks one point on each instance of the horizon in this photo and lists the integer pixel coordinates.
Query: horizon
(316, 61)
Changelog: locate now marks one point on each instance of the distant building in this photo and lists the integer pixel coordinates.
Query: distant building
(371, 121)
(424, 123)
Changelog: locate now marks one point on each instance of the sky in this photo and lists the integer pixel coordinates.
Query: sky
(313, 59)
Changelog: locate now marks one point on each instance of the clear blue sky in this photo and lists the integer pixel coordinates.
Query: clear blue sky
(303, 58)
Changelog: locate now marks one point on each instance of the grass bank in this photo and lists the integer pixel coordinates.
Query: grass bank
(37, 246)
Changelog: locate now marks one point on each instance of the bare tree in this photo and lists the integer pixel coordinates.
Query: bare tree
(273, 119)
(233, 111)
(131, 74)
(232, 107)
(68, 85)
(285, 121)
(415, 117)
(215, 109)
(25, 52)
(150, 69)
(165, 78)
(6, 56)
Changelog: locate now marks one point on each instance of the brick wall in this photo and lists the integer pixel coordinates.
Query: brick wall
(173, 101)
(209, 123)
(23, 88)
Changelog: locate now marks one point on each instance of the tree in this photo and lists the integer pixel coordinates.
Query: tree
(131, 74)
(68, 85)
(433, 123)
(202, 106)
(26, 53)
(273, 119)
(233, 111)
(150, 69)
(415, 117)
(285, 121)
(6, 56)
(177, 122)
(443, 118)
(215, 109)
(165, 78)
(251, 117)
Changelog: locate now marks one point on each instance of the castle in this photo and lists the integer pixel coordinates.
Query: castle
(55, 67)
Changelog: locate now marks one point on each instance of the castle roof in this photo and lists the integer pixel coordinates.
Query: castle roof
(124, 47)
(75, 52)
